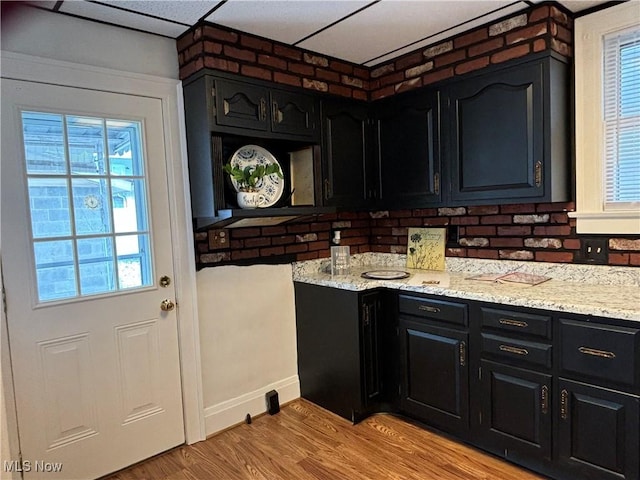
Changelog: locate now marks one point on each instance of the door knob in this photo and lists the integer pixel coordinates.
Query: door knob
(167, 305)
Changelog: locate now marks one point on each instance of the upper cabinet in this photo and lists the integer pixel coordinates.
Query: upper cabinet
(346, 153)
(408, 152)
(508, 134)
(256, 107)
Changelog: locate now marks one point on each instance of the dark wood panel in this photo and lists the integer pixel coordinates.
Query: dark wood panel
(516, 411)
(598, 432)
(240, 104)
(435, 386)
(294, 114)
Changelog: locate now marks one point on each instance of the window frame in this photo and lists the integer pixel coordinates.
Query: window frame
(591, 217)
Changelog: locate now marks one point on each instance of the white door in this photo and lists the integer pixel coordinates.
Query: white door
(85, 243)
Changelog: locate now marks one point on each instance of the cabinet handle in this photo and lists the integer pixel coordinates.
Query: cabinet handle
(427, 308)
(513, 323)
(276, 114)
(263, 109)
(564, 400)
(436, 183)
(597, 353)
(326, 189)
(463, 354)
(544, 399)
(516, 350)
(538, 173)
(225, 106)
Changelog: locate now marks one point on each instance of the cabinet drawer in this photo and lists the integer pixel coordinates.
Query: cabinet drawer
(600, 351)
(528, 352)
(509, 321)
(435, 309)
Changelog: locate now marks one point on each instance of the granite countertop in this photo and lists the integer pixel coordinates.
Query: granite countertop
(589, 290)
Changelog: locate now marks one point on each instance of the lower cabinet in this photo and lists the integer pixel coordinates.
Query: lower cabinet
(598, 432)
(515, 411)
(435, 383)
(339, 358)
(558, 394)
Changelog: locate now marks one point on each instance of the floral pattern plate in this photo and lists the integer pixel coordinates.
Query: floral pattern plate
(271, 186)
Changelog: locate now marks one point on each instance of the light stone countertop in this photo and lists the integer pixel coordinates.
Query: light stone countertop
(612, 292)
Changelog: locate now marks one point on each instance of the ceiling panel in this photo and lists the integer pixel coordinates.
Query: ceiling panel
(284, 21)
(177, 10)
(392, 24)
(447, 33)
(123, 18)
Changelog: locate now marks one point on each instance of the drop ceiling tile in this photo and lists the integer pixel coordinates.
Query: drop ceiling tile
(122, 18)
(177, 10)
(579, 5)
(281, 20)
(450, 32)
(392, 24)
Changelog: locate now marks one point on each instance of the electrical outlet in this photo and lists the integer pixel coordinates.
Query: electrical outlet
(218, 239)
(453, 236)
(594, 250)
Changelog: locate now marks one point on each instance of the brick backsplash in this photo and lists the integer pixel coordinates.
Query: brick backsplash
(532, 232)
(540, 232)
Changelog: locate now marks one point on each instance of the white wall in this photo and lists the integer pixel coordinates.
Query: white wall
(51, 35)
(248, 340)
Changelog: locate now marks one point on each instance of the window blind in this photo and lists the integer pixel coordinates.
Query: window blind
(621, 85)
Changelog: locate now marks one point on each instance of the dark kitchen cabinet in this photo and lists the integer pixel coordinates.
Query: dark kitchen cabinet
(256, 107)
(598, 400)
(339, 349)
(515, 413)
(598, 432)
(508, 134)
(408, 150)
(346, 153)
(434, 363)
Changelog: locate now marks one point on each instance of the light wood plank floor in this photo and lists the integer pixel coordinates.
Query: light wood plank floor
(305, 442)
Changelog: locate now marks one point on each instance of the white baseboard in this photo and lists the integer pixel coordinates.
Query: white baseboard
(231, 412)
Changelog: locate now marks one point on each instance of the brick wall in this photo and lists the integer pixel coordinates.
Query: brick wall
(542, 28)
(534, 232)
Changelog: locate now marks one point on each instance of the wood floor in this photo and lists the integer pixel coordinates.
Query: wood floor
(304, 442)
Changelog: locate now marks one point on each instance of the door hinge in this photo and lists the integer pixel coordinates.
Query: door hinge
(479, 373)
(538, 174)
(480, 417)
(436, 183)
(213, 103)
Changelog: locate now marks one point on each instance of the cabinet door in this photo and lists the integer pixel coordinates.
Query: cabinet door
(598, 432)
(344, 153)
(408, 150)
(495, 124)
(515, 410)
(241, 105)
(371, 315)
(294, 114)
(435, 386)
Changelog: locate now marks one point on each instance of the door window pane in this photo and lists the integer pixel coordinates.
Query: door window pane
(44, 146)
(78, 251)
(91, 206)
(133, 264)
(86, 145)
(55, 270)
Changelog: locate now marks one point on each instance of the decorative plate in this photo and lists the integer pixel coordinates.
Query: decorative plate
(271, 186)
(385, 274)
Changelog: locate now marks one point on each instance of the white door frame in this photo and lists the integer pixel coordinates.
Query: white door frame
(169, 91)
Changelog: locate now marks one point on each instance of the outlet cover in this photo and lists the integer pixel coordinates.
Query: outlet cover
(594, 250)
(218, 239)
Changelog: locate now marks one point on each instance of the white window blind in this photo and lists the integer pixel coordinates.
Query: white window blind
(622, 120)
